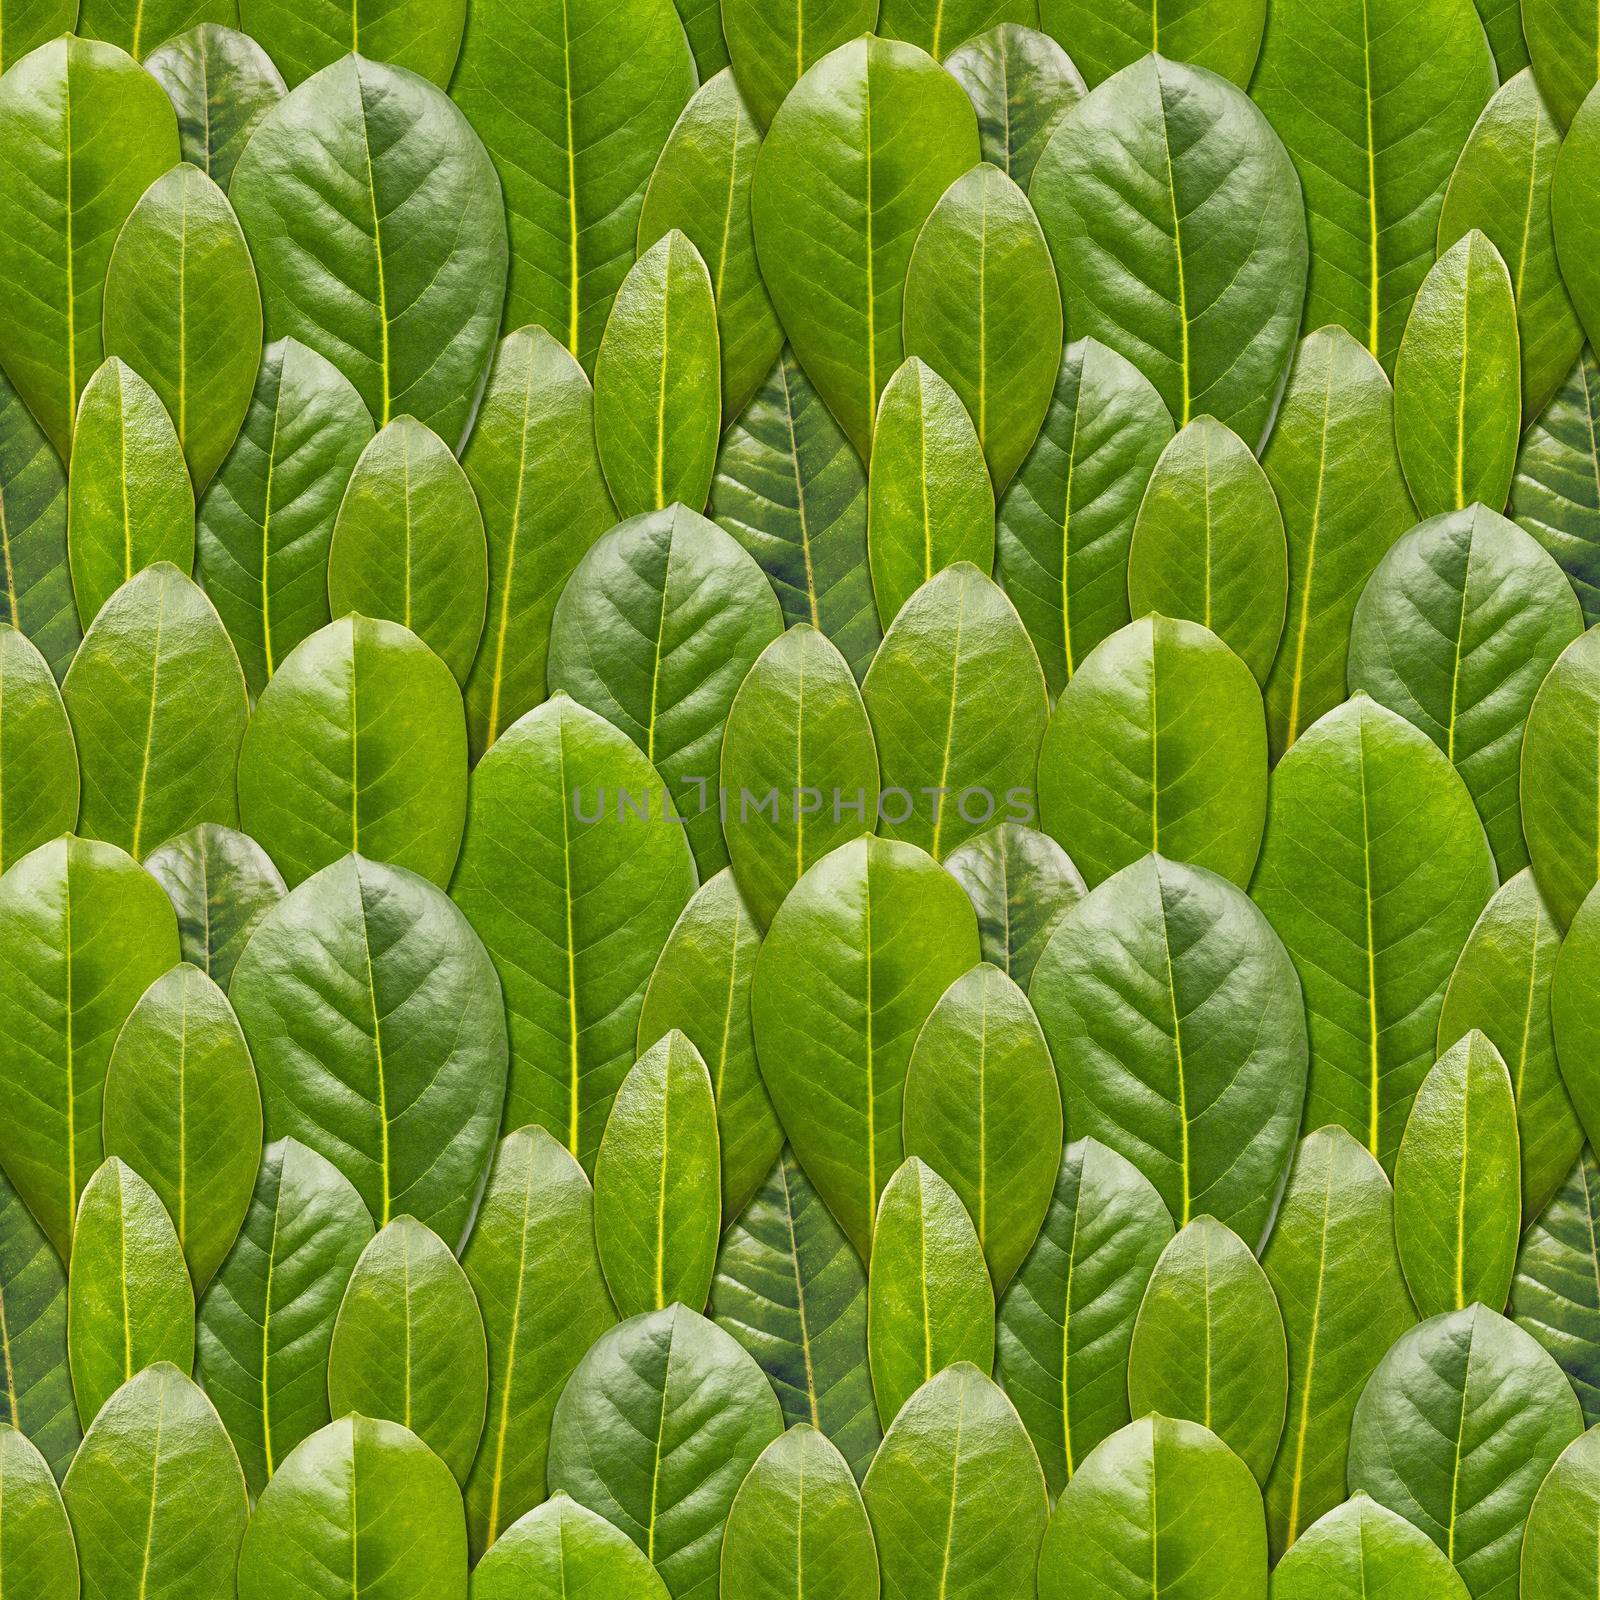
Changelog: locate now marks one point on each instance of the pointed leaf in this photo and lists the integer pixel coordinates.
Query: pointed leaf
(1561, 778)
(1363, 1551)
(221, 83)
(565, 1549)
(35, 580)
(1020, 83)
(38, 759)
(772, 47)
(41, 1559)
(422, 37)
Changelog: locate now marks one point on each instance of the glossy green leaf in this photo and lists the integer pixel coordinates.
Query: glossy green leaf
(1020, 883)
(1176, 1024)
(408, 544)
(182, 1110)
(655, 631)
(379, 1036)
(532, 464)
(929, 1300)
(855, 160)
(1562, 42)
(855, 960)
(1020, 83)
(656, 1430)
(138, 28)
(1066, 519)
(1561, 778)
(956, 1489)
(423, 37)
(410, 321)
(129, 503)
(155, 1488)
(565, 1549)
(221, 83)
(573, 898)
(792, 1291)
(938, 26)
(41, 1559)
(1209, 312)
(1363, 1551)
(949, 765)
(701, 986)
(702, 22)
(359, 742)
(799, 766)
(83, 934)
(1225, 38)
(267, 1318)
(1373, 872)
(929, 500)
(1562, 1523)
(129, 1301)
(1571, 216)
(1456, 1430)
(221, 884)
(791, 489)
(1336, 1276)
(1157, 743)
(1374, 102)
(38, 759)
(84, 131)
(362, 1507)
(774, 46)
(1233, 577)
(407, 1294)
(532, 1264)
(1572, 1011)
(1334, 469)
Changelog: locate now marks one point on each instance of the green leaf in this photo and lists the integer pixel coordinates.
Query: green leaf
(799, 766)
(362, 1507)
(1456, 630)
(1374, 102)
(408, 1294)
(1561, 777)
(701, 185)
(129, 1301)
(84, 131)
(221, 83)
(424, 36)
(267, 1318)
(855, 960)
(1163, 1506)
(855, 160)
(129, 503)
(1456, 1430)
(956, 1489)
(702, 22)
(221, 884)
(1363, 1551)
(379, 1036)
(1208, 308)
(1373, 872)
(1235, 577)
(1157, 742)
(83, 934)
(573, 899)
(155, 1488)
(1564, 1518)
(360, 742)
(956, 651)
(1177, 1029)
(929, 1300)
(1562, 43)
(1020, 83)
(656, 1430)
(1502, 185)
(791, 489)
(1336, 475)
(929, 500)
(136, 28)
(36, 1396)
(533, 466)
(1066, 519)
(565, 1549)
(798, 1522)
(1502, 21)
(1334, 1270)
(532, 1264)
(1555, 1295)
(1020, 883)
(31, 23)
(937, 26)
(182, 309)
(41, 1559)
(1555, 494)
(771, 47)
(982, 1109)
(408, 544)
(410, 321)
(1456, 412)
(981, 306)
(792, 1291)
(655, 631)
(701, 986)
(1224, 38)
(1569, 215)
(1067, 1318)
(1209, 1345)
(38, 759)
(182, 1110)
(1572, 1011)
(658, 1183)
(1458, 1182)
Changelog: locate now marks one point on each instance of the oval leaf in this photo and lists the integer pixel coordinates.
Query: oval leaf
(1574, 226)
(1565, 1517)
(1561, 778)
(1020, 83)
(41, 1558)
(563, 1548)
(38, 759)
(1359, 1549)
(772, 47)
(221, 83)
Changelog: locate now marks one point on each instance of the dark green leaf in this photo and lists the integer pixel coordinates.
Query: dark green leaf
(423, 36)
(38, 759)
(221, 83)
(565, 1549)
(41, 1559)
(772, 46)
(1561, 778)
(1363, 1551)
(1020, 82)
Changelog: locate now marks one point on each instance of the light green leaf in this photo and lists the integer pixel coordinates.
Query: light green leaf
(1561, 778)
(41, 1559)
(1020, 83)
(424, 36)
(937, 26)
(1363, 1551)
(38, 759)
(31, 23)
(1020, 883)
(1572, 1011)
(136, 28)
(565, 1549)
(773, 46)
(1562, 42)
(221, 83)
(1223, 37)
(1563, 1521)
